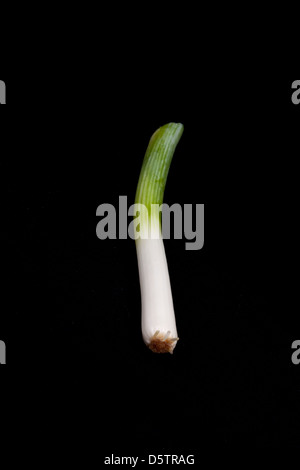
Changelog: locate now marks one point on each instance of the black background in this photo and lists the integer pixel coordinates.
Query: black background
(73, 302)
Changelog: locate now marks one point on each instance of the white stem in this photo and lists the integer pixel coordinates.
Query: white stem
(158, 318)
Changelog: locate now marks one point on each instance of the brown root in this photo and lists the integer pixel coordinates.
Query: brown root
(162, 343)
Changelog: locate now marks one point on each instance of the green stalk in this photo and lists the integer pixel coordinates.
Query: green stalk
(156, 164)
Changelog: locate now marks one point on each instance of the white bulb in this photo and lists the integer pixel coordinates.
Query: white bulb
(158, 318)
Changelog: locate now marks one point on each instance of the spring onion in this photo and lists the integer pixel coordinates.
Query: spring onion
(158, 318)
